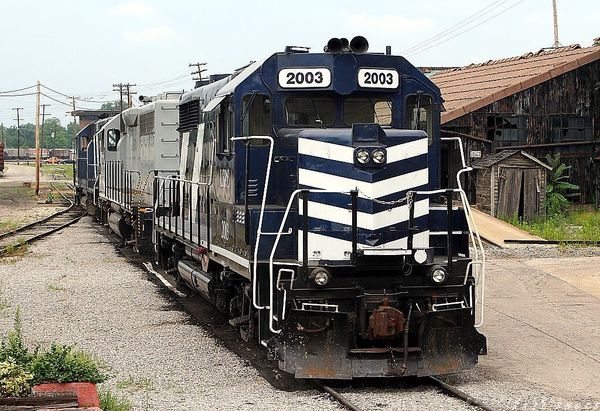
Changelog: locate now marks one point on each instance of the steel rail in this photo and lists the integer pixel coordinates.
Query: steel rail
(455, 392)
(43, 220)
(337, 396)
(43, 234)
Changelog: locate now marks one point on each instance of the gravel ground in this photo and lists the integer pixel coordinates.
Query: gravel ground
(539, 251)
(76, 289)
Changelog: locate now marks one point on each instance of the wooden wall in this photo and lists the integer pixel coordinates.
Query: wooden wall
(574, 93)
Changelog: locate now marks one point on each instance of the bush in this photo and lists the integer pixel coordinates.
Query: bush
(15, 381)
(61, 363)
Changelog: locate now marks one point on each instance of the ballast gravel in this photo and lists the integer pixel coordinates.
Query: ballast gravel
(75, 288)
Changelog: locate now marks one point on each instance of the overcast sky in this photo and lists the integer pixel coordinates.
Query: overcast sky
(82, 47)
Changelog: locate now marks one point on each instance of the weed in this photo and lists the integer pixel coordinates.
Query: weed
(577, 225)
(18, 248)
(62, 363)
(135, 384)
(55, 287)
(9, 225)
(113, 402)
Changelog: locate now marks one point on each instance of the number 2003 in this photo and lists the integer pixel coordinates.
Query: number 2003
(378, 78)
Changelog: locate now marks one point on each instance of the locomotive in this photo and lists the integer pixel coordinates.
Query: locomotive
(301, 195)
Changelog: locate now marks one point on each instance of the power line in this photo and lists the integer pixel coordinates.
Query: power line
(464, 31)
(17, 95)
(19, 89)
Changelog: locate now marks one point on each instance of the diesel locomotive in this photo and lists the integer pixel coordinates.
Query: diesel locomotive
(301, 195)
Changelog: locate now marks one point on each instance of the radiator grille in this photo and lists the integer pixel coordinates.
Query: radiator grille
(189, 115)
(147, 123)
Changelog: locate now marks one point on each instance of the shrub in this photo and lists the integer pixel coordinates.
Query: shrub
(15, 381)
(62, 363)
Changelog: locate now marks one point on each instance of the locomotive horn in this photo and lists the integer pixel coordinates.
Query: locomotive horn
(359, 45)
(345, 43)
(334, 45)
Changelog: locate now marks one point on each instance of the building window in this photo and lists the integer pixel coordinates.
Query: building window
(419, 114)
(571, 128)
(510, 129)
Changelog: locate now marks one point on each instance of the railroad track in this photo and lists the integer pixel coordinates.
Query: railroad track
(31, 232)
(445, 388)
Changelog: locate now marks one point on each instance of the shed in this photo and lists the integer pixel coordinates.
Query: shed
(511, 183)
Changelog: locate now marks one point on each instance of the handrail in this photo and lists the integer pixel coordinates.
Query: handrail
(473, 231)
(260, 218)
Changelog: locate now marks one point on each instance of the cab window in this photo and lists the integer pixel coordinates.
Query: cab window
(309, 111)
(367, 110)
(112, 139)
(224, 126)
(419, 114)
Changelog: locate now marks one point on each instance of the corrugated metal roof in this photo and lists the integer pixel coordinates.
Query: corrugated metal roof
(474, 86)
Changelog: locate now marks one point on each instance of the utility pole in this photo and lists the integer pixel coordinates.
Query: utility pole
(18, 133)
(555, 13)
(199, 70)
(54, 141)
(43, 120)
(37, 140)
(124, 88)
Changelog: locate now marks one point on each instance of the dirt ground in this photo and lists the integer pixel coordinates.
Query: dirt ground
(18, 203)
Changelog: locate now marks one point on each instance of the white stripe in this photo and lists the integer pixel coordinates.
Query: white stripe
(365, 220)
(333, 248)
(373, 190)
(232, 256)
(345, 154)
(164, 281)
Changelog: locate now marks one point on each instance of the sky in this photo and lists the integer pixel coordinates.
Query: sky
(81, 48)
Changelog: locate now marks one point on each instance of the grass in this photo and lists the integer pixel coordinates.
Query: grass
(8, 225)
(17, 248)
(135, 384)
(55, 287)
(58, 170)
(112, 402)
(575, 225)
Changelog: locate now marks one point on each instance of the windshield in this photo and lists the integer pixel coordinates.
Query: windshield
(367, 110)
(309, 111)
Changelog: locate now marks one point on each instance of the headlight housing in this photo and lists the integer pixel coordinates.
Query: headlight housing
(378, 156)
(363, 156)
(438, 275)
(321, 276)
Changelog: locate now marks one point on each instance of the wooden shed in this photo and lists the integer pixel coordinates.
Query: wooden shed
(511, 183)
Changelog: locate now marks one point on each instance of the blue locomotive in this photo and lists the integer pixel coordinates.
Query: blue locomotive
(307, 207)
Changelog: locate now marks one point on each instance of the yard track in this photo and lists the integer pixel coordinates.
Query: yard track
(31, 232)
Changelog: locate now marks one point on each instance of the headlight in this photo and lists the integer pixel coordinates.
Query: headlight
(378, 156)
(362, 156)
(437, 274)
(321, 276)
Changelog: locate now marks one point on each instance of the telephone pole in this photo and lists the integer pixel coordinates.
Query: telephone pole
(18, 132)
(43, 120)
(37, 140)
(124, 88)
(555, 14)
(199, 70)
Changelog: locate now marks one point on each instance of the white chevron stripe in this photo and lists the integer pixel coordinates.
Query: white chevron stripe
(345, 154)
(334, 249)
(365, 220)
(373, 190)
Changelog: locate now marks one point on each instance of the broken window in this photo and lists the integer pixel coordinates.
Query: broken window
(419, 114)
(509, 129)
(571, 128)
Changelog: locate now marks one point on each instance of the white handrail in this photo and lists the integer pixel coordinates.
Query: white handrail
(260, 219)
(474, 233)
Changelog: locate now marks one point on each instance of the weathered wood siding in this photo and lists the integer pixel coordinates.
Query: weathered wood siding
(574, 93)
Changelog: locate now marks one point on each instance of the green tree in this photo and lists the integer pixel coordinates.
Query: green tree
(558, 189)
(113, 105)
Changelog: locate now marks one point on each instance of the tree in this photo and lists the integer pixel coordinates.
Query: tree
(557, 188)
(596, 42)
(113, 105)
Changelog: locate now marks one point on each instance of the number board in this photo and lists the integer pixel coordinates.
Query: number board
(304, 78)
(378, 78)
